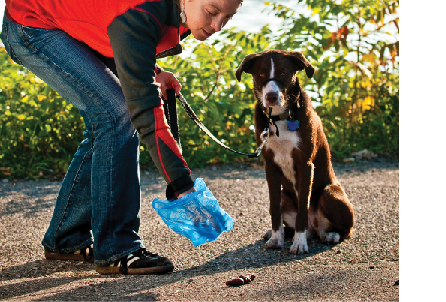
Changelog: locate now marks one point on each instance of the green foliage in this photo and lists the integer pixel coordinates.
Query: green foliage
(353, 45)
(39, 130)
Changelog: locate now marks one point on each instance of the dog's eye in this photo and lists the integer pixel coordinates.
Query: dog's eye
(262, 74)
(283, 73)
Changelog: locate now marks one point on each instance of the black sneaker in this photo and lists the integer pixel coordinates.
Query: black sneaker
(85, 254)
(140, 262)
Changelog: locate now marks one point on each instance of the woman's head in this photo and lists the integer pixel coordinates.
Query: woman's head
(205, 17)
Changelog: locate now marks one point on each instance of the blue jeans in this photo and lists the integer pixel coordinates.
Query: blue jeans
(100, 194)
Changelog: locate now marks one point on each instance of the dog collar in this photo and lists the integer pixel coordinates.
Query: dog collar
(292, 124)
(280, 117)
(286, 115)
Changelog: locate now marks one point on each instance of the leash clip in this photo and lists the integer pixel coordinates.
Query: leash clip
(264, 137)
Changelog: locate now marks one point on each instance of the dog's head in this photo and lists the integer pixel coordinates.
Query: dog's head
(274, 75)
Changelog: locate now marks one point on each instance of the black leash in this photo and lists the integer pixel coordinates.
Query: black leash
(172, 118)
(170, 110)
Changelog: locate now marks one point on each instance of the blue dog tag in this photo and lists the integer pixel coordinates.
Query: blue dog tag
(292, 125)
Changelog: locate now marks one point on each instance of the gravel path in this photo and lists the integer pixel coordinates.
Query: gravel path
(365, 267)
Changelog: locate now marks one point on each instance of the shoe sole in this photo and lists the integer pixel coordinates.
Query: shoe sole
(57, 256)
(113, 270)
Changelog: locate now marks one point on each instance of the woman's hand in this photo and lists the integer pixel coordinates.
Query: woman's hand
(187, 192)
(167, 80)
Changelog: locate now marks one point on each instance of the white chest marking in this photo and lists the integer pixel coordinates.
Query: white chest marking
(283, 147)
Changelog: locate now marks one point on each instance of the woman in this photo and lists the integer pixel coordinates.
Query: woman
(80, 48)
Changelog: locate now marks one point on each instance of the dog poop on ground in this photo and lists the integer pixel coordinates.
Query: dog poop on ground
(240, 280)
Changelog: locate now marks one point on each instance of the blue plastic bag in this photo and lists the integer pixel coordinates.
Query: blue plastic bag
(196, 215)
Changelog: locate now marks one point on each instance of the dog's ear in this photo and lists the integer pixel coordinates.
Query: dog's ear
(246, 65)
(301, 62)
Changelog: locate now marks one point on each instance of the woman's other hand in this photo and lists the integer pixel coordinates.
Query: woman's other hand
(167, 80)
(187, 192)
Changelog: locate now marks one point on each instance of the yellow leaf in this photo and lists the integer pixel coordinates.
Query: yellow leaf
(368, 103)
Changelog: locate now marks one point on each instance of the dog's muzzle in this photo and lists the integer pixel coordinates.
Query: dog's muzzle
(272, 97)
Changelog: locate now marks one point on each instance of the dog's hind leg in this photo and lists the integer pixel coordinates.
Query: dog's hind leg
(273, 178)
(335, 206)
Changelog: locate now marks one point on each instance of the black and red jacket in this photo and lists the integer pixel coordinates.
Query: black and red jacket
(135, 33)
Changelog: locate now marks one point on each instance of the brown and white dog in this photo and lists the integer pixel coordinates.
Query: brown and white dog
(303, 190)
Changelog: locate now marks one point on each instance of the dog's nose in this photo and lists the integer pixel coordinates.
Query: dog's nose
(272, 97)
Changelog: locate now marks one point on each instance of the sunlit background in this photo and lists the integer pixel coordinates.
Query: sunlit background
(354, 46)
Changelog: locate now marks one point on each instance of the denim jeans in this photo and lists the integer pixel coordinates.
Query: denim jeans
(100, 194)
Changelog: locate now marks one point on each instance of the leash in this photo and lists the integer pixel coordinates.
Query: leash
(173, 123)
(170, 111)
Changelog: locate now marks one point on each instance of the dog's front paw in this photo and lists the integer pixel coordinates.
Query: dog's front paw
(274, 244)
(332, 238)
(300, 245)
(276, 240)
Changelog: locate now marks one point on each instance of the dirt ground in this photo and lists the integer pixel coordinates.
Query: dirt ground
(363, 268)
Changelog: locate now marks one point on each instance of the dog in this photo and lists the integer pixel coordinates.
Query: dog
(304, 194)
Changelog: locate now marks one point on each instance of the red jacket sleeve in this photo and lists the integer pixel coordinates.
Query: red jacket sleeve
(134, 36)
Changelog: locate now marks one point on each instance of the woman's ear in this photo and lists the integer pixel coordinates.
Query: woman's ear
(301, 62)
(246, 65)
